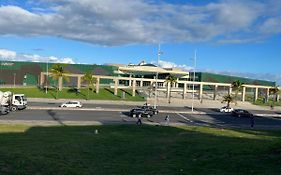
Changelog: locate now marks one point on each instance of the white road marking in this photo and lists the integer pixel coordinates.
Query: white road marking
(184, 117)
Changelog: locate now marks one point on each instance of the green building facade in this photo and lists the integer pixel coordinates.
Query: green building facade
(28, 73)
(219, 78)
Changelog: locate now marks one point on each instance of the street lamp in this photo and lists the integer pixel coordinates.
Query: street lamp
(156, 78)
(193, 88)
(47, 76)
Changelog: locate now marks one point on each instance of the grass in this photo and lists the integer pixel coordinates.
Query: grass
(130, 149)
(68, 93)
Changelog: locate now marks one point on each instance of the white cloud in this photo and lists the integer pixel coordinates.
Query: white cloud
(4, 54)
(121, 22)
(13, 56)
(167, 64)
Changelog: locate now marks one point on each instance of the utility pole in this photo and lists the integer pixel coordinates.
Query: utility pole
(193, 85)
(156, 78)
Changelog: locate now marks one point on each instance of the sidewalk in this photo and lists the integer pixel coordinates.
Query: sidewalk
(176, 102)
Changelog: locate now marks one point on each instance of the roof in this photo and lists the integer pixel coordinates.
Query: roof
(150, 68)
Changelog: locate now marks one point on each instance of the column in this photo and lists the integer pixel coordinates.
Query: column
(215, 92)
(78, 82)
(116, 86)
(134, 88)
(200, 91)
(230, 90)
(42, 79)
(141, 82)
(256, 95)
(98, 85)
(267, 95)
(243, 93)
(177, 84)
(130, 81)
(60, 83)
(184, 90)
(168, 89)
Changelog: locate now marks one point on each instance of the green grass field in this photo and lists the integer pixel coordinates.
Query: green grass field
(131, 149)
(67, 93)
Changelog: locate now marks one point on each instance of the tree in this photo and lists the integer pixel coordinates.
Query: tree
(274, 91)
(170, 79)
(88, 77)
(228, 99)
(236, 86)
(58, 73)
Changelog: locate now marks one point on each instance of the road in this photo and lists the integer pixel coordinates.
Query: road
(161, 108)
(178, 116)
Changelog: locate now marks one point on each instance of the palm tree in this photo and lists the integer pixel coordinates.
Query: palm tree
(58, 73)
(170, 79)
(236, 86)
(228, 99)
(88, 77)
(274, 91)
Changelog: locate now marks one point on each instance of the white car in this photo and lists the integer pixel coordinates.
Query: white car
(71, 104)
(226, 109)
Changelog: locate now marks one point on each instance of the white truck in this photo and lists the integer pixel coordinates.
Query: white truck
(11, 102)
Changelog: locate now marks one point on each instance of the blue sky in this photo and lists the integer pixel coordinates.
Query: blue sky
(236, 37)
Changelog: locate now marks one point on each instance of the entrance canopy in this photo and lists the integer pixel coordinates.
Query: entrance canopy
(143, 69)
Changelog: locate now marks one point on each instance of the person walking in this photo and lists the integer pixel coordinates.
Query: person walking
(139, 120)
(252, 120)
(167, 119)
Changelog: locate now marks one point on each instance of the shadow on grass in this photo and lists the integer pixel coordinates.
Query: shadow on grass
(131, 149)
(112, 92)
(77, 92)
(126, 92)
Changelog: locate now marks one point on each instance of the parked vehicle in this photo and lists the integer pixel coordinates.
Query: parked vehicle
(71, 104)
(150, 108)
(12, 102)
(136, 112)
(226, 109)
(241, 113)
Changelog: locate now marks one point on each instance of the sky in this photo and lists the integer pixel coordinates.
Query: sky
(234, 37)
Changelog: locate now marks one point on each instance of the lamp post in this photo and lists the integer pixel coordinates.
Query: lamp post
(47, 76)
(156, 78)
(193, 86)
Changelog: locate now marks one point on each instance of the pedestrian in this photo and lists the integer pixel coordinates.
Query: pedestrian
(252, 120)
(167, 119)
(139, 120)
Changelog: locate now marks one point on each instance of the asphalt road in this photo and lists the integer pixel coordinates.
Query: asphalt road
(128, 107)
(107, 117)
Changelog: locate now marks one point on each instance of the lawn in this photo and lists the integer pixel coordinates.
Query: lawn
(131, 149)
(68, 93)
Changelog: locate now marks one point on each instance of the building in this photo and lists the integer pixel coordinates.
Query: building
(28, 73)
(137, 77)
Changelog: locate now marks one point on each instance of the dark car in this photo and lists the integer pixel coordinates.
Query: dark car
(141, 112)
(241, 113)
(150, 108)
